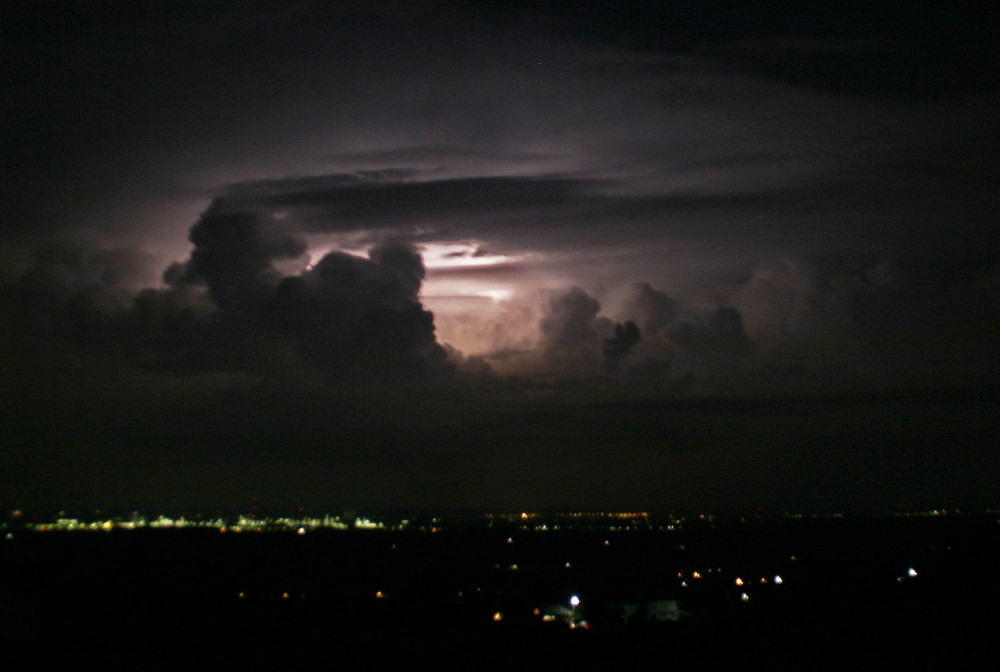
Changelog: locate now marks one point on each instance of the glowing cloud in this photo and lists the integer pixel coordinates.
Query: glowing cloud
(462, 255)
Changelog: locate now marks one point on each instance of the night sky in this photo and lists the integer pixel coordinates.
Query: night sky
(507, 255)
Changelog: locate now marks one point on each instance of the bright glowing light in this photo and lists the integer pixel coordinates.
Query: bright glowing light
(777, 579)
(911, 572)
(460, 255)
(739, 581)
(379, 594)
(744, 597)
(497, 617)
(301, 531)
(574, 601)
(496, 294)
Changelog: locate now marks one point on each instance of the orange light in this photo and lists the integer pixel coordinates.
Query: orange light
(739, 581)
(497, 617)
(379, 594)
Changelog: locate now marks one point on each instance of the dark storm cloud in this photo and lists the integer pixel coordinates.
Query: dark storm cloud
(353, 202)
(558, 213)
(67, 316)
(811, 313)
(708, 349)
(717, 347)
(569, 340)
(544, 213)
(339, 201)
(429, 156)
(618, 346)
(234, 254)
(806, 196)
(228, 308)
(356, 317)
(703, 347)
(652, 310)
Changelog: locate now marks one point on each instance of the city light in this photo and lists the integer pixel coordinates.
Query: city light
(513, 585)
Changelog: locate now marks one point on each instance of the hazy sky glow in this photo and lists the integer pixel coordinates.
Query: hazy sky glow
(420, 227)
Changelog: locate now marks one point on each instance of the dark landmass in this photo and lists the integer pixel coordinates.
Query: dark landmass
(914, 592)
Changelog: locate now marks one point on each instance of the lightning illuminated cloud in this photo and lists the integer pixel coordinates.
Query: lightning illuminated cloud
(236, 238)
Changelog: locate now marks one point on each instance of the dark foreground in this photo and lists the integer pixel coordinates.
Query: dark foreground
(888, 592)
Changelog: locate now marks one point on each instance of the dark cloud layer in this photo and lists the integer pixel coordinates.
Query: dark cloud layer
(664, 252)
(354, 317)
(233, 254)
(367, 203)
